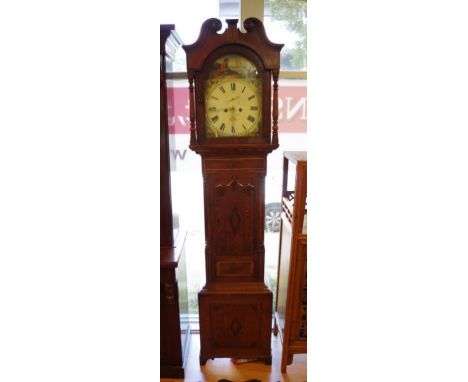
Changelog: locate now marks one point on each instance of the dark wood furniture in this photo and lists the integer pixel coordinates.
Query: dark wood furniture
(175, 331)
(291, 292)
(235, 305)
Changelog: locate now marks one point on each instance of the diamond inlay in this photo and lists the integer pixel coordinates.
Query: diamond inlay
(235, 327)
(234, 220)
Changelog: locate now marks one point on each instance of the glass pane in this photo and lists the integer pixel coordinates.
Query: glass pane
(229, 8)
(292, 130)
(188, 16)
(286, 23)
(233, 94)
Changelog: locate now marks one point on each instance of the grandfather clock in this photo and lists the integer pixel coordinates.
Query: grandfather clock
(234, 126)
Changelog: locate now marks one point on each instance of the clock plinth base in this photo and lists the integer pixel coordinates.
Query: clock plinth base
(235, 321)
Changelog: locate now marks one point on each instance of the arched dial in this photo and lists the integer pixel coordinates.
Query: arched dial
(233, 99)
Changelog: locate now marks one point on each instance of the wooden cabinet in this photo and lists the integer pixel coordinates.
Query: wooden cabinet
(291, 293)
(175, 331)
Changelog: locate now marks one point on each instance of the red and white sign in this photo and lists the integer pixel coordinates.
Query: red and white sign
(292, 106)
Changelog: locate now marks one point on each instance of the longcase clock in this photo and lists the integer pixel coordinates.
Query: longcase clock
(233, 88)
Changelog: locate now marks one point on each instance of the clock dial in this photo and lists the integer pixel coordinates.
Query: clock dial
(233, 99)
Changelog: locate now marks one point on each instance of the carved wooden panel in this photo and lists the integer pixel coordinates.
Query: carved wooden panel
(235, 324)
(234, 268)
(232, 207)
(235, 230)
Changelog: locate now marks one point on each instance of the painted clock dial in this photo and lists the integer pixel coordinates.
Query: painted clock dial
(233, 98)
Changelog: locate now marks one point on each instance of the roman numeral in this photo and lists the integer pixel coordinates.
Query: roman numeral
(222, 127)
(243, 89)
(251, 97)
(214, 119)
(211, 109)
(233, 130)
(222, 89)
(251, 118)
(214, 97)
(253, 108)
(245, 128)
(233, 86)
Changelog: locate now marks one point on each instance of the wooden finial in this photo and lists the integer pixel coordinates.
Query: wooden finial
(274, 139)
(193, 140)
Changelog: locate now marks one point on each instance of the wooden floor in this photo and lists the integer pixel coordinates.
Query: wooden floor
(219, 368)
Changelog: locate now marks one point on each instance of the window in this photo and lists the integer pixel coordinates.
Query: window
(284, 24)
(285, 21)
